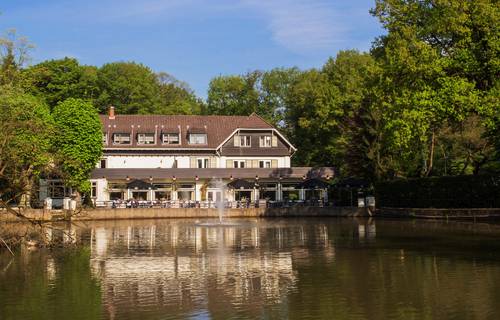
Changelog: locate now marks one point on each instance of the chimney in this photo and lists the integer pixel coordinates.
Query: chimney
(111, 112)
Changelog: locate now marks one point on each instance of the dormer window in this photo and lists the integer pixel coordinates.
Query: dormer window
(265, 141)
(104, 138)
(242, 141)
(197, 138)
(170, 138)
(268, 141)
(145, 138)
(121, 138)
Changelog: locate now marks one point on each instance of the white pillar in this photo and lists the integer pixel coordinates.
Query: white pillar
(302, 194)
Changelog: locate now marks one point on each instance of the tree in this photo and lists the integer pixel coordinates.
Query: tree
(313, 118)
(131, 87)
(264, 93)
(234, 95)
(77, 142)
(14, 54)
(58, 80)
(176, 97)
(440, 65)
(25, 143)
(274, 89)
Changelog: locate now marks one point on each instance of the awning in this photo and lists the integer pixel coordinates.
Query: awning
(140, 185)
(314, 183)
(241, 184)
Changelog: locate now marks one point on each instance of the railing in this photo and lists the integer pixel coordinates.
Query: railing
(122, 204)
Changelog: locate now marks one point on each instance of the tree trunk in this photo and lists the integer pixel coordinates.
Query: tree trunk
(431, 154)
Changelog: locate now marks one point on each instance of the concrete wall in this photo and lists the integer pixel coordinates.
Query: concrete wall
(431, 213)
(147, 213)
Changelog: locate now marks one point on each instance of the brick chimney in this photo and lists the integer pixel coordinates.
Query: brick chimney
(111, 112)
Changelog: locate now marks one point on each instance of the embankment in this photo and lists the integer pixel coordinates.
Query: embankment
(160, 213)
(432, 213)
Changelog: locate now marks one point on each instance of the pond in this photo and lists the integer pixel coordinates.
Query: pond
(315, 268)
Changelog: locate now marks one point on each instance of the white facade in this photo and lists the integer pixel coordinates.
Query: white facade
(160, 161)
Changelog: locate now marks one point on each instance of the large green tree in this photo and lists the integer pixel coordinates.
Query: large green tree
(176, 97)
(440, 66)
(58, 80)
(25, 143)
(131, 87)
(314, 118)
(77, 142)
(234, 95)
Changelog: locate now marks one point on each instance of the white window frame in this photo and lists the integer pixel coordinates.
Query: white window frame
(202, 163)
(141, 138)
(239, 163)
(93, 189)
(105, 138)
(245, 141)
(265, 141)
(265, 164)
(167, 138)
(194, 138)
(118, 138)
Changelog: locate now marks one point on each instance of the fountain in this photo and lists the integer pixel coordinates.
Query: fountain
(221, 188)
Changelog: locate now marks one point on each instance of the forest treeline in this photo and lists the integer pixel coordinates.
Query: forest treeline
(423, 102)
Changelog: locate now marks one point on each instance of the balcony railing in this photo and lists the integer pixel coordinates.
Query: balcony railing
(122, 204)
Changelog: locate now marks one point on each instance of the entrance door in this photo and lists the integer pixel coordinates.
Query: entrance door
(214, 196)
(241, 195)
(140, 195)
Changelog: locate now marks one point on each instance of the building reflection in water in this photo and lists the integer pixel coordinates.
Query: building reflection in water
(182, 266)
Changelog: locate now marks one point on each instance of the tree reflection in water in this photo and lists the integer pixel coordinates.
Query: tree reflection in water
(295, 268)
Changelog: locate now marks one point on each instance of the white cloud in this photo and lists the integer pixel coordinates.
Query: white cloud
(301, 25)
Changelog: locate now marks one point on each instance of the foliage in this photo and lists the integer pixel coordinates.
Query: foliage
(176, 97)
(58, 80)
(264, 93)
(236, 95)
(78, 141)
(314, 119)
(13, 56)
(129, 86)
(469, 191)
(439, 63)
(25, 142)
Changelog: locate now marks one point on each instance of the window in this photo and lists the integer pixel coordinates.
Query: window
(170, 138)
(105, 138)
(239, 163)
(198, 138)
(264, 163)
(93, 191)
(145, 138)
(265, 141)
(56, 189)
(103, 163)
(202, 162)
(121, 138)
(242, 141)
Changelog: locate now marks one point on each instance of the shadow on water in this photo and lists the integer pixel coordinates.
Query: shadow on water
(315, 268)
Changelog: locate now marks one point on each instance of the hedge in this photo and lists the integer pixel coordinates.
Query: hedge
(470, 191)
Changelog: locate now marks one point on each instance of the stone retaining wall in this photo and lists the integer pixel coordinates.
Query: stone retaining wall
(431, 213)
(148, 213)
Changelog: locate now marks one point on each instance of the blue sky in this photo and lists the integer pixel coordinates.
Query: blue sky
(194, 40)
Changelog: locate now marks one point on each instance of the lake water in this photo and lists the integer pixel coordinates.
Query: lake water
(314, 268)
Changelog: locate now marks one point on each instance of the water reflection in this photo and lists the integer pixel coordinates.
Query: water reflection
(294, 268)
(176, 264)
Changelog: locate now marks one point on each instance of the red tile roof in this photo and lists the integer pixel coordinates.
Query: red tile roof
(218, 128)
